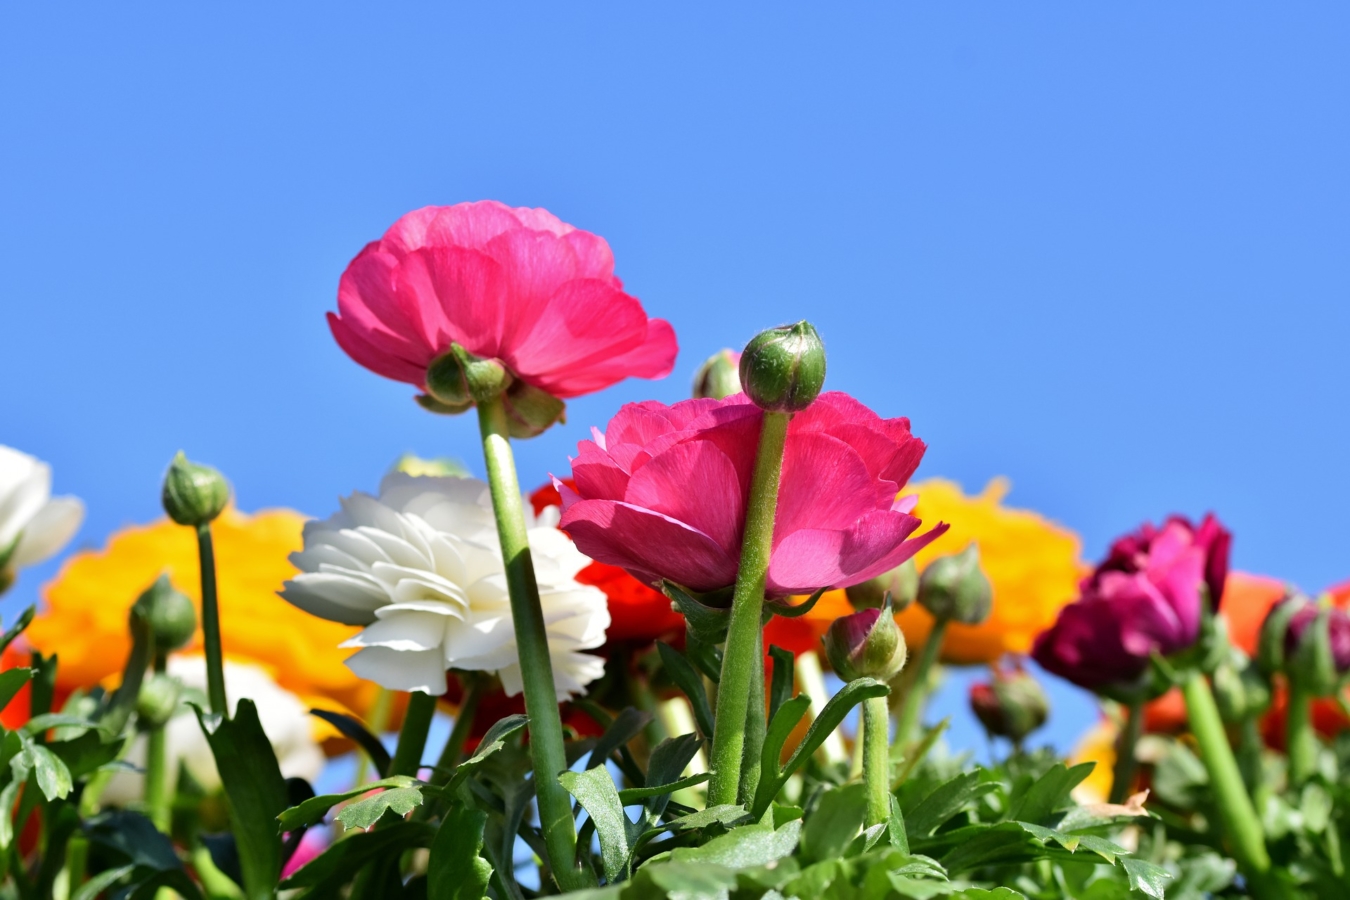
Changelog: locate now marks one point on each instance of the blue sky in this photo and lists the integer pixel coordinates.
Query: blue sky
(1100, 249)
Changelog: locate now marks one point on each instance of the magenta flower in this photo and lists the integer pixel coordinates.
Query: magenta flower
(662, 493)
(1147, 596)
(516, 285)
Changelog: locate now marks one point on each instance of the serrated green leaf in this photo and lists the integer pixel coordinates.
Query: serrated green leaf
(740, 848)
(837, 819)
(52, 775)
(944, 802)
(456, 869)
(1049, 794)
(1146, 877)
(895, 827)
(86, 753)
(678, 880)
(714, 815)
(687, 680)
(312, 811)
(595, 791)
(365, 813)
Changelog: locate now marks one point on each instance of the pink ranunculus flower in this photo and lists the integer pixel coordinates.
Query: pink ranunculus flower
(1147, 596)
(662, 493)
(516, 285)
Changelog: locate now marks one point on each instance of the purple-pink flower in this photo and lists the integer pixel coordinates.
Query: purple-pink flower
(662, 493)
(1147, 596)
(516, 285)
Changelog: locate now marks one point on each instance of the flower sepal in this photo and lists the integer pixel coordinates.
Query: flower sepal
(705, 623)
(866, 644)
(194, 494)
(529, 411)
(458, 378)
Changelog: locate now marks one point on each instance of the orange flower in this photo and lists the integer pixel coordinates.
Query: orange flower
(85, 615)
(1032, 564)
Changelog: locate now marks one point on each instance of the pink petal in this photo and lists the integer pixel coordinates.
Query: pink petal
(537, 264)
(649, 545)
(461, 294)
(594, 258)
(654, 358)
(825, 486)
(816, 558)
(377, 360)
(597, 475)
(696, 484)
(368, 302)
(469, 225)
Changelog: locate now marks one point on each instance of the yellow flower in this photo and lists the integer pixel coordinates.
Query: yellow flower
(1032, 563)
(1097, 745)
(85, 615)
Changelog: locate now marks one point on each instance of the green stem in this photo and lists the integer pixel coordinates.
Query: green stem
(916, 698)
(1300, 739)
(541, 698)
(877, 759)
(1122, 776)
(158, 786)
(741, 654)
(1249, 759)
(755, 726)
(77, 859)
(454, 745)
(412, 737)
(1237, 817)
(215, 667)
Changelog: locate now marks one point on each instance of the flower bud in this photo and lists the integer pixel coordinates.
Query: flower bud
(457, 379)
(783, 368)
(170, 614)
(956, 589)
(530, 411)
(901, 583)
(719, 377)
(1239, 689)
(158, 699)
(1011, 705)
(1270, 653)
(866, 644)
(194, 494)
(1317, 648)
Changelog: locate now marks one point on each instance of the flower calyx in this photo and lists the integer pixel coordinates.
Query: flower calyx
(457, 379)
(783, 369)
(954, 588)
(194, 494)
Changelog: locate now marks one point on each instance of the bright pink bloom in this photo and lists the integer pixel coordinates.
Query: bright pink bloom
(516, 285)
(1147, 595)
(662, 493)
(311, 845)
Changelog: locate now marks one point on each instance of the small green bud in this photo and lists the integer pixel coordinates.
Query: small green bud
(1317, 648)
(530, 411)
(1240, 691)
(194, 494)
(901, 583)
(956, 589)
(866, 644)
(170, 614)
(458, 379)
(719, 376)
(1270, 648)
(158, 699)
(783, 368)
(441, 466)
(1011, 705)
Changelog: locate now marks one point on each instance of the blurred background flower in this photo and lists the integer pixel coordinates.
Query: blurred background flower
(34, 525)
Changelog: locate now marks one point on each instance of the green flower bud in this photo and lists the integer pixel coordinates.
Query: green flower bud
(457, 379)
(1317, 648)
(170, 614)
(530, 411)
(1270, 649)
(1012, 705)
(901, 583)
(719, 376)
(158, 699)
(956, 589)
(1239, 689)
(194, 494)
(866, 644)
(783, 368)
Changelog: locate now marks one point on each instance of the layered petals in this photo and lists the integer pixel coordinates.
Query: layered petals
(34, 525)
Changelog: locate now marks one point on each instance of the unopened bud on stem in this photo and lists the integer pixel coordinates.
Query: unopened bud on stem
(170, 614)
(954, 588)
(194, 494)
(457, 379)
(783, 368)
(866, 644)
(719, 377)
(900, 583)
(1011, 705)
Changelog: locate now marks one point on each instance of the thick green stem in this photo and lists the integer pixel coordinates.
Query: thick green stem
(1300, 739)
(412, 737)
(755, 726)
(1249, 759)
(215, 666)
(159, 788)
(910, 716)
(877, 759)
(741, 654)
(1127, 764)
(454, 745)
(541, 698)
(1237, 817)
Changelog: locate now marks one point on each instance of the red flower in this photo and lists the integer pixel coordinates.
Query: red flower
(516, 285)
(662, 493)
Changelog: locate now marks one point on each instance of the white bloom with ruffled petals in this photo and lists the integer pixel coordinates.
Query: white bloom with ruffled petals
(34, 525)
(420, 566)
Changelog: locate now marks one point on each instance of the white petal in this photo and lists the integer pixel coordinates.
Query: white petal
(23, 501)
(338, 598)
(401, 670)
(404, 630)
(48, 531)
(16, 467)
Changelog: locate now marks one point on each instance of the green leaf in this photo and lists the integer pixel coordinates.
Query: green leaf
(714, 815)
(1050, 793)
(780, 729)
(679, 880)
(945, 801)
(47, 721)
(132, 836)
(629, 796)
(494, 740)
(101, 882)
(788, 611)
(174, 879)
(837, 819)
(333, 868)
(312, 811)
(8, 797)
(895, 827)
(1146, 877)
(688, 681)
(780, 689)
(741, 848)
(595, 791)
(930, 737)
(365, 813)
(456, 869)
(11, 682)
(24, 620)
(355, 730)
(626, 726)
(256, 791)
(52, 775)
(706, 623)
(86, 753)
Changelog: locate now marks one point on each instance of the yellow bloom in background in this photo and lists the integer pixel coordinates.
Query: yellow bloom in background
(85, 614)
(1097, 745)
(1032, 564)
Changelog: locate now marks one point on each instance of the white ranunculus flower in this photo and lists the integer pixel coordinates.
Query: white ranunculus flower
(285, 720)
(421, 567)
(34, 525)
